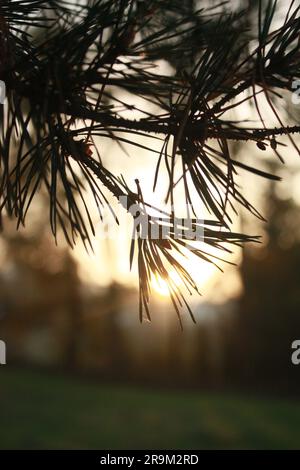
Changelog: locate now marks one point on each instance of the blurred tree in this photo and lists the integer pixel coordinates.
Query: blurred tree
(267, 320)
(74, 311)
(48, 300)
(64, 66)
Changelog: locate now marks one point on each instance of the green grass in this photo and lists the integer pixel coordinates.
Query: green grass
(43, 411)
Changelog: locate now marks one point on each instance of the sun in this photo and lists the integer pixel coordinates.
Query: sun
(203, 274)
(161, 285)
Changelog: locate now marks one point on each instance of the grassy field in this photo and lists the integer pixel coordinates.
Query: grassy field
(42, 411)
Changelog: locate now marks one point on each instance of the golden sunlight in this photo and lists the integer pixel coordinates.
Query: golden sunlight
(161, 285)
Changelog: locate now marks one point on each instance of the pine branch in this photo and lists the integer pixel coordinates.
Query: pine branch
(64, 69)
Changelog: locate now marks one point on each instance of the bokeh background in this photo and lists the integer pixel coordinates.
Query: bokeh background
(82, 372)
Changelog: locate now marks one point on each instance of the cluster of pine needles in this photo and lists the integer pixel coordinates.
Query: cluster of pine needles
(64, 64)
